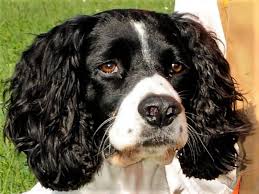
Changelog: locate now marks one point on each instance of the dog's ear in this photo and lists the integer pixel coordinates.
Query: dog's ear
(214, 122)
(47, 114)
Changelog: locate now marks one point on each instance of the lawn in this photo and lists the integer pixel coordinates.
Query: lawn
(20, 20)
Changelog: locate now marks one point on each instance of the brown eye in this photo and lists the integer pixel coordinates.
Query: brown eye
(177, 68)
(109, 67)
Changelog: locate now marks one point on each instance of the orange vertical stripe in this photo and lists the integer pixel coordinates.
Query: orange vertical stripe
(237, 187)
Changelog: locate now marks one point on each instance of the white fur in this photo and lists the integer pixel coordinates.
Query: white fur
(147, 177)
(177, 181)
(128, 117)
(143, 37)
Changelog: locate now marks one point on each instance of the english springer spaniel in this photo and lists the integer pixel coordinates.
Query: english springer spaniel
(126, 101)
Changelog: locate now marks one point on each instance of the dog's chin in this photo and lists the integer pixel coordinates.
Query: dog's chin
(162, 154)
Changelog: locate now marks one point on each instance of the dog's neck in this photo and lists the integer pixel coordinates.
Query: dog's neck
(143, 176)
(147, 177)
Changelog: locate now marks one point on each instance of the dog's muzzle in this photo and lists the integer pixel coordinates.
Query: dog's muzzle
(150, 123)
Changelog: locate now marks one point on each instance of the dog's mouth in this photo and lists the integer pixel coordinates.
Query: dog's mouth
(160, 150)
(161, 155)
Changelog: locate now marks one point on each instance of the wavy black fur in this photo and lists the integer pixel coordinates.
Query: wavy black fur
(53, 109)
(48, 117)
(214, 116)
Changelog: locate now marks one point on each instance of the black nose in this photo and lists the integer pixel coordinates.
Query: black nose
(159, 110)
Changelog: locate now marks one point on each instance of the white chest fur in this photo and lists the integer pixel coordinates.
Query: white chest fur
(147, 177)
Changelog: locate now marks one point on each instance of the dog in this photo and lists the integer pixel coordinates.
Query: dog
(126, 101)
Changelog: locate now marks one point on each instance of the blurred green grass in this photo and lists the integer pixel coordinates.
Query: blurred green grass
(20, 21)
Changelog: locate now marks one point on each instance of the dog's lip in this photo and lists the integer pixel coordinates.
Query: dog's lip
(146, 146)
(163, 154)
(133, 154)
(156, 143)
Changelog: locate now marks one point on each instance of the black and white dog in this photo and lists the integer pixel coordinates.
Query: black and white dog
(126, 101)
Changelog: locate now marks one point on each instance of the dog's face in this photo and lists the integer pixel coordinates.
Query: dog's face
(122, 85)
(137, 73)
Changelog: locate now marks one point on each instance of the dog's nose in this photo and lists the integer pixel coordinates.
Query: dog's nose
(159, 110)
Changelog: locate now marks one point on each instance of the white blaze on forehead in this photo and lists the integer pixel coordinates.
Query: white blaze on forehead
(142, 35)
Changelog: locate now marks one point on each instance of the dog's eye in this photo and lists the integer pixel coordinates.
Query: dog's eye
(110, 67)
(177, 68)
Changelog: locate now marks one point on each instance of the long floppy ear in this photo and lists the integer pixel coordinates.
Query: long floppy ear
(214, 122)
(47, 113)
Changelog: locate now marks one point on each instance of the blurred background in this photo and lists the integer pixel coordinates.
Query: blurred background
(21, 20)
(240, 19)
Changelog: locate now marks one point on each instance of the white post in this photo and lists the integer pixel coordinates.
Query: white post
(208, 13)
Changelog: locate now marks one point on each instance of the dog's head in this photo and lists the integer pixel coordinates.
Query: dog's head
(123, 85)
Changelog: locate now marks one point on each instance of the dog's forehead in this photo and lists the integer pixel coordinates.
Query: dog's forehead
(115, 29)
(142, 35)
(130, 24)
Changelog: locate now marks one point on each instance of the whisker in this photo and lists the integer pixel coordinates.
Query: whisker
(103, 138)
(193, 130)
(182, 92)
(194, 136)
(104, 148)
(101, 149)
(189, 113)
(191, 143)
(202, 144)
(102, 124)
(192, 152)
(110, 153)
